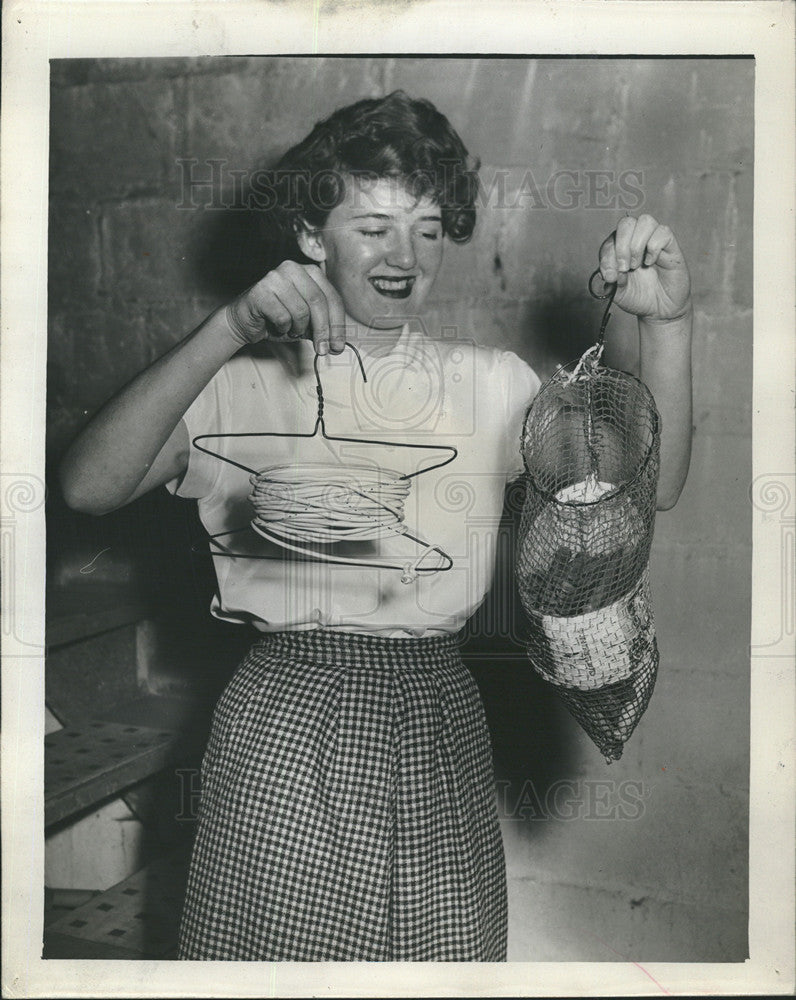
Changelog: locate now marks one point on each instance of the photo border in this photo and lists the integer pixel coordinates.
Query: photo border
(33, 33)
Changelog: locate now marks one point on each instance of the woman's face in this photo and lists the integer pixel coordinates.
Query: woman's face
(382, 249)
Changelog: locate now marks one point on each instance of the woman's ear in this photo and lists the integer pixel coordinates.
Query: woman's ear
(310, 241)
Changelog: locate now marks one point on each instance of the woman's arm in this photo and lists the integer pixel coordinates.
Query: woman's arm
(653, 283)
(666, 370)
(137, 440)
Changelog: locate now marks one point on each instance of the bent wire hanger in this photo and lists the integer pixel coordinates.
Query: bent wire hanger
(409, 570)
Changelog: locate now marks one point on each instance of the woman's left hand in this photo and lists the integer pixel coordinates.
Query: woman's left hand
(644, 259)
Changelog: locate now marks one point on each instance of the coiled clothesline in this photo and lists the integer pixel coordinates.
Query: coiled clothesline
(297, 505)
(328, 503)
(318, 504)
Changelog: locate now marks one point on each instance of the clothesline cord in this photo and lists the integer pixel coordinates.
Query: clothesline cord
(327, 503)
(298, 506)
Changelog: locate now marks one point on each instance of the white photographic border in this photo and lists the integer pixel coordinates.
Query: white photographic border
(33, 33)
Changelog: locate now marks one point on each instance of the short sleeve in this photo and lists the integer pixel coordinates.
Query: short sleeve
(201, 417)
(520, 386)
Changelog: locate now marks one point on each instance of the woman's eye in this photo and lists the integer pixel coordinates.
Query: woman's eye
(373, 232)
(430, 235)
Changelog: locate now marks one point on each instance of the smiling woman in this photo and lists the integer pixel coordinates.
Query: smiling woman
(379, 246)
(348, 808)
(368, 195)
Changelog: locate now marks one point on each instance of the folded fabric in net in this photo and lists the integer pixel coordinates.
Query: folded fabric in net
(591, 444)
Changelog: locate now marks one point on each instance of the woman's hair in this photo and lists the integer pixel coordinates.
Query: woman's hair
(393, 136)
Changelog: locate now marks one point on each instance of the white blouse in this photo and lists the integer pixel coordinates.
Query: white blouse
(424, 391)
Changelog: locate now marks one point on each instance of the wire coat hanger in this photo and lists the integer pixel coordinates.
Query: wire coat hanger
(410, 569)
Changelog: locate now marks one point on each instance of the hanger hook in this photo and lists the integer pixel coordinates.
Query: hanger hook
(609, 291)
(609, 287)
(359, 359)
(319, 387)
(318, 374)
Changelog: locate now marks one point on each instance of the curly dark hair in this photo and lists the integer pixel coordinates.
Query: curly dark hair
(393, 136)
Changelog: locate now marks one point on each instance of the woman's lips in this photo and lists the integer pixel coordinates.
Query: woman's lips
(393, 288)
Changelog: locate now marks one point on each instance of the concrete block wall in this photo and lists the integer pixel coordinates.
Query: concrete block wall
(131, 272)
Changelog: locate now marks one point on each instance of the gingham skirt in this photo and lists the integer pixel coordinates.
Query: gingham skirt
(348, 808)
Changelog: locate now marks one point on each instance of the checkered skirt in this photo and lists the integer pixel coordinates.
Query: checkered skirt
(348, 808)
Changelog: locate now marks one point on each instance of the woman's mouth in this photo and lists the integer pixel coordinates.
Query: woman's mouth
(393, 288)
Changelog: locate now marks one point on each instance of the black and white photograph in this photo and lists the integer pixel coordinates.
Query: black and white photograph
(402, 517)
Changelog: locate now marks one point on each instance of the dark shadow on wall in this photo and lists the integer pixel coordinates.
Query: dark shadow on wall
(238, 246)
(529, 726)
(563, 321)
(145, 561)
(234, 251)
(559, 322)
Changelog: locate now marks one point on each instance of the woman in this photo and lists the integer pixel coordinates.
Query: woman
(348, 803)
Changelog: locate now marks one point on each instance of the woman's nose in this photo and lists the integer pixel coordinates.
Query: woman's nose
(402, 252)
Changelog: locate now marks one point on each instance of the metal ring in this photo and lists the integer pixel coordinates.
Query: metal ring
(609, 285)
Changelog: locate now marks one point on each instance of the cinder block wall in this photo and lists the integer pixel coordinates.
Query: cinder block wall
(652, 865)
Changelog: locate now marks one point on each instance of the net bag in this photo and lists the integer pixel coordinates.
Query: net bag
(590, 445)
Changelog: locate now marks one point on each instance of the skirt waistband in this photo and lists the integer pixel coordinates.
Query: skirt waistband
(354, 649)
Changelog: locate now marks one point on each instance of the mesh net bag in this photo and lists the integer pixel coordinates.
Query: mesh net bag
(590, 444)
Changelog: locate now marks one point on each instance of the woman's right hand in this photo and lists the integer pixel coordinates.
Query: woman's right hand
(290, 302)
